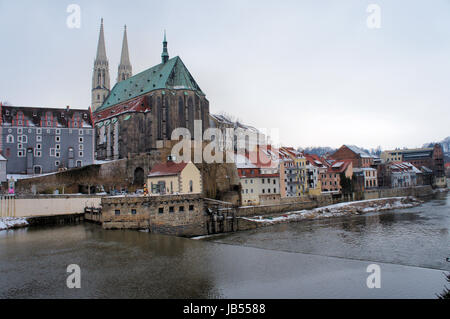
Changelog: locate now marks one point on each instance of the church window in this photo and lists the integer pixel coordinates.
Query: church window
(98, 97)
(57, 139)
(191, 186)
(81, 154)
(20, 153)
(56, 163)
(10, 139)
(19, 131)
(38, 131)
(58, 146)
(80, 132)
(38, 138)
(57, 154)
(80, 147)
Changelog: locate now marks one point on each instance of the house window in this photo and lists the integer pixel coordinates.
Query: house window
(181, 209)
(117, 212)
(171, 209)
(191, 207)
(161, 210)
(133, 212)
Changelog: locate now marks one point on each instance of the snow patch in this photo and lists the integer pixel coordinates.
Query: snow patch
(11, 222)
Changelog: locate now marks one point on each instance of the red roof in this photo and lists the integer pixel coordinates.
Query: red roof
(339, 166)
(131, 106)
(165, 169)
(447, 165)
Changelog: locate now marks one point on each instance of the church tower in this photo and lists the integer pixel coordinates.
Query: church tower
(124, 71)
(100, 77)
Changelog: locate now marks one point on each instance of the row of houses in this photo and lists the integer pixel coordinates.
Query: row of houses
(268, 174)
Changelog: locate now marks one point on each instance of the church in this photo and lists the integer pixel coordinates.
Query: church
(141, 111)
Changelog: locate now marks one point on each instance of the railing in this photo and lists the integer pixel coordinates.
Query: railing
(8, 206)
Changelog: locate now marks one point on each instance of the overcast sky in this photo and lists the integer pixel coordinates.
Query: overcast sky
(313, 68)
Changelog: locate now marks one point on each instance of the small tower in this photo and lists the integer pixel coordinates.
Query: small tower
(100, 77)
(125, 70)
(165, 54)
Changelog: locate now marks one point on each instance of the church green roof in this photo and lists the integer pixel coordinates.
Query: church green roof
(170, 75)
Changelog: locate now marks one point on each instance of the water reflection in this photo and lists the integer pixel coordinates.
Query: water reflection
(131, 264)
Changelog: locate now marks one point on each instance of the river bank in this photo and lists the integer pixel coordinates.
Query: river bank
(338, 210)
(12, 223)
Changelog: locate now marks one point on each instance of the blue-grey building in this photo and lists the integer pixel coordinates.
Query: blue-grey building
(37, 140)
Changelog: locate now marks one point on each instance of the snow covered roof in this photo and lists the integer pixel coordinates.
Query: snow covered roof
(359, 151)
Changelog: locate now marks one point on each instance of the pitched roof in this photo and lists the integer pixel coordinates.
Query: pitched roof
(339, 166)
(167, 169)
(170, 75)
(45, 117)
(358, 150)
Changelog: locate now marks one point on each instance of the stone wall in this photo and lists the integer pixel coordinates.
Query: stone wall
(179, 215)
(418, 191)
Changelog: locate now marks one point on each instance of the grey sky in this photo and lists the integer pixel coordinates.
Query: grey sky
(313, 69)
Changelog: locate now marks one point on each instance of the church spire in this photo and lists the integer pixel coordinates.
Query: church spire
(125, 70)
(100, 76)
(101, 50)
(165, 54)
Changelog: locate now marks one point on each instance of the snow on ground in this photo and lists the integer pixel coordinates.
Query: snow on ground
(11, 222)
(340, 209)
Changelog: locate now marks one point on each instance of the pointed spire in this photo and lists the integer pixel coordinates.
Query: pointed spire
(125, 58)
(165, 54)
(101, 50)
(125, 70)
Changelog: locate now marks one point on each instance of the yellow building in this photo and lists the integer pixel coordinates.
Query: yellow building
(174, 178)
(392, 156)
(300, 167)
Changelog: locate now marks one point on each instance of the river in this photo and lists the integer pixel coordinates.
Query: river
(309, 259)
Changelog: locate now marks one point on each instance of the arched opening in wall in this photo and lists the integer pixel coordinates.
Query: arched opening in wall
(138, 177)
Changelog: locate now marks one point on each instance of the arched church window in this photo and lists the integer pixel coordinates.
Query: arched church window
(10, 139)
